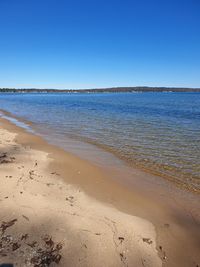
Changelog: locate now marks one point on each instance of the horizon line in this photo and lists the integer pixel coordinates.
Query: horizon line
(100, 88)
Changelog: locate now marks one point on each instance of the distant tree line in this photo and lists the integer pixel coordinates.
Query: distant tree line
(101, 90)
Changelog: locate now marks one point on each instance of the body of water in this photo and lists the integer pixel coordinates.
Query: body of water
(159, 132)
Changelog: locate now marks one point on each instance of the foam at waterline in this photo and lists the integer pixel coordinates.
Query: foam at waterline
(17, 123)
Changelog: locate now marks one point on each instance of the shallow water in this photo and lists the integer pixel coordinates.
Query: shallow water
(156, 131)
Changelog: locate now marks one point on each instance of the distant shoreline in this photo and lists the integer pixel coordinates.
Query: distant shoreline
(101, 90)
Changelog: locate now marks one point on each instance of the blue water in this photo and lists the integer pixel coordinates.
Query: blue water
(156, 131)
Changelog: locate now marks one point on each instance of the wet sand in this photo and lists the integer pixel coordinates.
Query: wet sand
(61, 208)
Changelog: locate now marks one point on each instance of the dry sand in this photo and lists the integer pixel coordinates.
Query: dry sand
(60, 210)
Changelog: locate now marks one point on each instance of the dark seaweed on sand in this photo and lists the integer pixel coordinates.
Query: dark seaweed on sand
(39, 255)
(51, 253)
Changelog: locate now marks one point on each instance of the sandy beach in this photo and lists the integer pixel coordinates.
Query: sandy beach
(60, 210)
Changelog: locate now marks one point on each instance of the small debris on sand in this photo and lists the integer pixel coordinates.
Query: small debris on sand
(24, 237)
(32, 245)
(147, 240)
(97, 233)
(5, 225)
(25, 217)
(15, 246)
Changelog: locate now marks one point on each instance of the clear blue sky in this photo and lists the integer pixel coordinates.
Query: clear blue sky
(99, 43)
